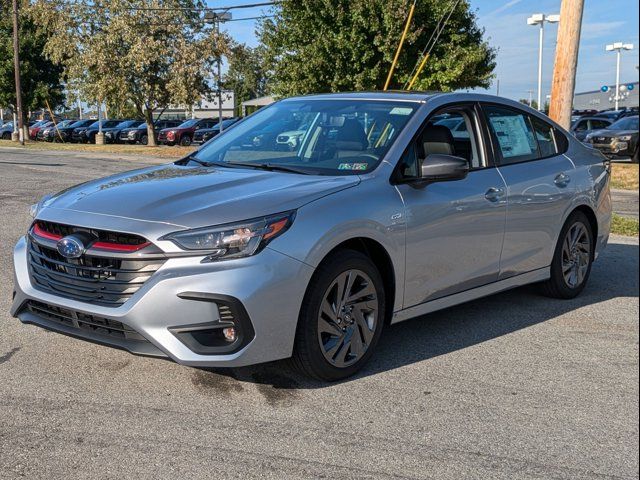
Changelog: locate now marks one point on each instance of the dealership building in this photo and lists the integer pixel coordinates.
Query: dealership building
(603, 98)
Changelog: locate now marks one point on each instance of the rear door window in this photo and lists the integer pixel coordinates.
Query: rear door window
(513, 133)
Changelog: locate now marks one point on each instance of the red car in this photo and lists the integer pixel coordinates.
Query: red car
(35, 128)
(183, 133)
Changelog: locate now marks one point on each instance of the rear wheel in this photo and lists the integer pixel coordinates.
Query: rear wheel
(341, 317)
(572, 260)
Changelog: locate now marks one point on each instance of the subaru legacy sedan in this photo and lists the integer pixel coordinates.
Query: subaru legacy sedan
(244, 252)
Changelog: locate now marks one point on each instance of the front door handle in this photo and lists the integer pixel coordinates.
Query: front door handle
(494, 194)
(562, 180)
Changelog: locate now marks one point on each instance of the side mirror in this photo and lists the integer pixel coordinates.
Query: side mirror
(443, 168)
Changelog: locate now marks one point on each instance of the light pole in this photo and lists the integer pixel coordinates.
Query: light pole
(218, 18)
(540, 19)
(618, 47)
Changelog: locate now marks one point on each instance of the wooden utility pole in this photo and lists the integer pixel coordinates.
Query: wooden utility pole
(16, 62)
(566, 63)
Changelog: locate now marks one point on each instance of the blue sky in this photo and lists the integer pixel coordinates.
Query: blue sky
(505, 21)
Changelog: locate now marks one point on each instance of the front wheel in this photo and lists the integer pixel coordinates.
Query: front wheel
(185, 141)
(144, 139)
(634, 159)
(572, 260)
(341, 317)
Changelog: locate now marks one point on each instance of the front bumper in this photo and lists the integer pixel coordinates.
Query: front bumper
(615, 149)
(269, 286)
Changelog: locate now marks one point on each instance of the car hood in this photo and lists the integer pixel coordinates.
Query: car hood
(191, 197)
(612, 133)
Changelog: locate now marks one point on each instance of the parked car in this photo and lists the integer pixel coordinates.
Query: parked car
(183, 133)
(203, 135)
(140, 133)
(237, 255)
(91, 131)
(66, 131)
(50, 133)
(585, 125)
(112, 134)
(620, 139)
(6, 129)
(35, 128)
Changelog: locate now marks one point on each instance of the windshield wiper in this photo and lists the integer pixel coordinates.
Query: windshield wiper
(192, 158)
(270, 167)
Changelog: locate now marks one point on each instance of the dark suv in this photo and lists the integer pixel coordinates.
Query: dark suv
(620, 139)
(183, 133)
(112, 135)
(140, 134)
(203, 135)
(66, 132)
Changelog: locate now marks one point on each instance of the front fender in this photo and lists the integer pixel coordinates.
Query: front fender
(373, 210)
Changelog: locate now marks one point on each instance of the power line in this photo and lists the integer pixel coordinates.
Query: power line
(188, 9)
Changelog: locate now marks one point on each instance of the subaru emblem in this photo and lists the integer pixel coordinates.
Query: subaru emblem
(70, 247)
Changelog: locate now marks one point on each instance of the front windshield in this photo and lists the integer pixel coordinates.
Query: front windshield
(188, 123)
(325, 137)
(628, 123)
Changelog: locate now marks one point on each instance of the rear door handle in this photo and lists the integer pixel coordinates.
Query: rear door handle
(562, 180)
(494, 194)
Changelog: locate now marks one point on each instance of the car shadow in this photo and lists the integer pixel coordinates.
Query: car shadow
(614, 275)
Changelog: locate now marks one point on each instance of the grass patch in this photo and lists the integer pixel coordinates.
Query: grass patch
(624, 226)
(624, 176)
(162, 151)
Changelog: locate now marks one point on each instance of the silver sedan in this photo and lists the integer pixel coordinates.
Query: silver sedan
(243, 253)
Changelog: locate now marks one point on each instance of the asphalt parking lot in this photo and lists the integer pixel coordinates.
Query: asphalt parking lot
(511, 386)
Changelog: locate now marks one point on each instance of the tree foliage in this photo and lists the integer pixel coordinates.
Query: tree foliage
(337, 45)
(40, 78)
(150, 53)
(246, 74)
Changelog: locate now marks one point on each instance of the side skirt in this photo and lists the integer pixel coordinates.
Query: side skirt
(473, 294)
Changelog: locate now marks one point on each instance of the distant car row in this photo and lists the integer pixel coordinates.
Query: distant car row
(614, 138)
(168, 132)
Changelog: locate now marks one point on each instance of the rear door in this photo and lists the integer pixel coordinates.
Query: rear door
(530, 156)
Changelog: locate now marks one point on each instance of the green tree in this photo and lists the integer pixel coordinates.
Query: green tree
(151, 53)
(334, 45)
(246, 74)
(40, 78)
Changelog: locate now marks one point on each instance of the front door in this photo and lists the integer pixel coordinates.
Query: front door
(454, 229)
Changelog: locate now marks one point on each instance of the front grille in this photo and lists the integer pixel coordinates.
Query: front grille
(93, 279)
(101, 235)
(84, 321)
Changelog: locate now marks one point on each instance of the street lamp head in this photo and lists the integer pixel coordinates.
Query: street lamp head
(212, 17)
(553, 18)
(535, 19)
(628, 46)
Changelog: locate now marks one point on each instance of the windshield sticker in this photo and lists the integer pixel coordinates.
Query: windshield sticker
(353, 166)
(401, 111)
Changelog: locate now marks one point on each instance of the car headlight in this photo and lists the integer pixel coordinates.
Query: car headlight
(624, 138)
(236, 240)
(36, 207)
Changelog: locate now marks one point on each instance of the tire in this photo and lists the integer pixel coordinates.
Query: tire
(6, 136)
(185, 141)
(634, 159)
(577, 258)
(334, 349)
(144, 139)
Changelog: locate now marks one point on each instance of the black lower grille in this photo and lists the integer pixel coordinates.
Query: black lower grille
(93, 279)
(84, 321)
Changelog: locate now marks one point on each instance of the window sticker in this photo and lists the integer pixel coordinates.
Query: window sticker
(353, 166)
(513, 135)
(401, 111)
